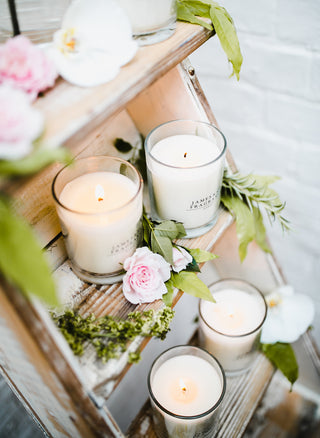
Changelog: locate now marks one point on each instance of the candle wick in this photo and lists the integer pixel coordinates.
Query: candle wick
(100, 199)
(185, 155)
(184, 389)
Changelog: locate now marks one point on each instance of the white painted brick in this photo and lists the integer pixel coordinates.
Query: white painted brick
(278, 68)
(252, 16)
(294, 118)
(314, 84)
(308, 164)
(257, 150)
(298, 22)
(232, 102)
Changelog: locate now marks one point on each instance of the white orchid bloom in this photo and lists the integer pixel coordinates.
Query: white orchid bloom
(289, 316)
(94, 42)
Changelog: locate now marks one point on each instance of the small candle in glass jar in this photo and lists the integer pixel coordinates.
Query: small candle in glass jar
(230, 328)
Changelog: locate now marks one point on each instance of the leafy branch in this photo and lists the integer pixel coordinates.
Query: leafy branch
(110, 335)
(190, 10)
(243, 196)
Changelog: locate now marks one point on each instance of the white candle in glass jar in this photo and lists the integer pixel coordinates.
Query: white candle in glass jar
(186, 173)
(186, 386)
(99, 222)
(230, 328)
(149, 15)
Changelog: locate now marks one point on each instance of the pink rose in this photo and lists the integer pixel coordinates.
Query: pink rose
(20, 124)
(181, 258)
(25, 66)
(145, 277)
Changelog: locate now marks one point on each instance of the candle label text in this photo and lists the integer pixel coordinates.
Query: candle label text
(127, 245)
(203, 203)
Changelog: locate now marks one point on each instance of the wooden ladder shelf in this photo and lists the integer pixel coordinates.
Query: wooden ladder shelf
(65, 394)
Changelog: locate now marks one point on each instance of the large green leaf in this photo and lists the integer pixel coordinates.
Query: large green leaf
(187, 13)
(190, 283)
(21, 258)
(260, 231)
(244, 222)
(283, 357)
(39, 159)
(228, 37)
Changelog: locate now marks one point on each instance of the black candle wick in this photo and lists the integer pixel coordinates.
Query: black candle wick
(14, 17)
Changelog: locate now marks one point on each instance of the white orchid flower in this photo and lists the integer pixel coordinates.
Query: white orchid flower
(95, 40)
(289, 316)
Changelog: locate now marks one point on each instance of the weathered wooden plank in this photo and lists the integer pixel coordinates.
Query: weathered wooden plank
(70, 110)
(49, 398)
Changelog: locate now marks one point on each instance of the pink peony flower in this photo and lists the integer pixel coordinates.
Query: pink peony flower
(145, 277)
(20, 124)
(181, 258)
(25, 66)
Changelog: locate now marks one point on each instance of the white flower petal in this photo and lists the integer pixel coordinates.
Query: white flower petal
(287, 321)
(94, 42)
(88, 70)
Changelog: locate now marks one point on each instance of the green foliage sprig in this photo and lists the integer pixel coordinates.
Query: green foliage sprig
(190, 10)
(109, 335)
(159, 236)
(243, 196)
(137, 154)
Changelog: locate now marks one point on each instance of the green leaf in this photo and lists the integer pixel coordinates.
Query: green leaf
(21, 258)
(122, 145)
(260, 231)
(190, 283)
(168, 297)
(244, 222)
(39, 159)
(186, 13)
(282, 356)
(227, 35)
(163, 246)
(200, 255)
(170, 229)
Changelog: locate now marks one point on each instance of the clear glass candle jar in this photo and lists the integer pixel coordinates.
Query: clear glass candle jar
(99, 204)
(230, 328)
(185, 161)
(152, 21)
(186, 388)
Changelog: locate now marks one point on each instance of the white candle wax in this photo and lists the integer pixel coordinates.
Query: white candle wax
(187, 386)
(229, 327)
(100, 223)
(186, 179)
(149, 15)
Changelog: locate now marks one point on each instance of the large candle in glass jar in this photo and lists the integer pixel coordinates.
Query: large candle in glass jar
(152, 21)
(99, 203)
(230, 328)
(185, 162)
(186, 386)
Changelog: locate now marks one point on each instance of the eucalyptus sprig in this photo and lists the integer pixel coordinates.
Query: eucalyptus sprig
(110, 335)
(244, 196)
(159, 237)
(190, 10)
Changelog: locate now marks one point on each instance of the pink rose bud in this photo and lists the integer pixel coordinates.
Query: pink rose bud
(145, 277)
(20, 124)
(25, 66)
(181, 258)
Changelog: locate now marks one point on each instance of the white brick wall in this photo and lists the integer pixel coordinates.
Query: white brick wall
(271, 119)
